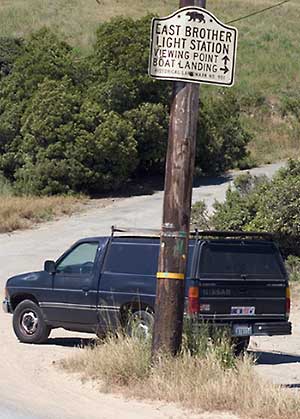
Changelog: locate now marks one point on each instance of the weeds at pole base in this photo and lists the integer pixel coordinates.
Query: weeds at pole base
(208, 378)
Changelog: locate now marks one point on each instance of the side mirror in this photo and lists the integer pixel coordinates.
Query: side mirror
(49, 266)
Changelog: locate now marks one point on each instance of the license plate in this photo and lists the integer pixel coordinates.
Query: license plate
(242, 330)
(243, 311)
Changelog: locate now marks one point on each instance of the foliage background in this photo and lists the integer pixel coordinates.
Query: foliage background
(71, 123)
(256, 203)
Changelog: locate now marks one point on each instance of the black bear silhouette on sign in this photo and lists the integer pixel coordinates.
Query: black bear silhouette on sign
(196, 16)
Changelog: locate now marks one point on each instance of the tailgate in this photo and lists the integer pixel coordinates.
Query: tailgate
(241, 280)
(240, 300)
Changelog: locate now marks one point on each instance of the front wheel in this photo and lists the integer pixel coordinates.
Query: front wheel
(140, 324)
(28, 323)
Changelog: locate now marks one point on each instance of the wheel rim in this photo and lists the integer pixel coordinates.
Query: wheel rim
(140, 328)
(29, 322)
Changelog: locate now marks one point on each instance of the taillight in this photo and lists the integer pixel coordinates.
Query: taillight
(287, 301)
(193, 299)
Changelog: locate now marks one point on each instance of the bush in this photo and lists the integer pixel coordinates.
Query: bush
(55, 112)
(71, 147)
(257, 203)
(151, 123)
(221, 139)
(200, 217)
(118, 93)
(104, 160)
(207, 380)
(122, 45)
(43, 56)
(293, 267)
(10, 50)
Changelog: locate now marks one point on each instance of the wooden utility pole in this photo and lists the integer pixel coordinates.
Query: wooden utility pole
(170, 293)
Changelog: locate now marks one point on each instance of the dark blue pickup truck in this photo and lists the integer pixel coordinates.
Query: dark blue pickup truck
(102, 283)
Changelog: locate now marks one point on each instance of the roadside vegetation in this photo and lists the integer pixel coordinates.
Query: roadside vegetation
(204, 377)
(268, 67)
(79, 114)
(89, 125)
(256, 203)
(17, 213)
(20, 212)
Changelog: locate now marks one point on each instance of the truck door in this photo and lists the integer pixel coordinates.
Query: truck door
(74, 294)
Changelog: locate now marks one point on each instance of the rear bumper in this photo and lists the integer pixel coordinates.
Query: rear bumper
(272, 329)
(251, 329)
(6, 306)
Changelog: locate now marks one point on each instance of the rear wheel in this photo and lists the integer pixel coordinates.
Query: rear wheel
(28, 323)
(140, 324)
(240, 345)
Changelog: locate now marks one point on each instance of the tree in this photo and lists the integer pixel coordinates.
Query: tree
(10, 50)
(122, 47)
(222, 140)
(73, 146)
(151, 133)
(257, 203)
(42, 57)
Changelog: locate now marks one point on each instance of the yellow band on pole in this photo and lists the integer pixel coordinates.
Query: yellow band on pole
(169, 275)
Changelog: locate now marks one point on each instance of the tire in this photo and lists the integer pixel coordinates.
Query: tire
(140, 324)
(240, 345)
(29, 324)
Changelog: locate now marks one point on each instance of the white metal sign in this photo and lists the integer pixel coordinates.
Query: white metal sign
(193, 45)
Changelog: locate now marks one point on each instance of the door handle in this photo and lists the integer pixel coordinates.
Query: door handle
(85, 289)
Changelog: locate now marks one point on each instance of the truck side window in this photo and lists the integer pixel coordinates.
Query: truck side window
(80, 260)
(129, 258)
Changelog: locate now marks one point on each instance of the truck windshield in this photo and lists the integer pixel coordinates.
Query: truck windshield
(240, 261)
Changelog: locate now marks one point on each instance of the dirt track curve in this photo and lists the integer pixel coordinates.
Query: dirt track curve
(31, 387)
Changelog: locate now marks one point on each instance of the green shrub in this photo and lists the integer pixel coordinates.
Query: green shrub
(122, 45)
(256, 203)
(104, 160)
(151, 133)
(293, 267)
(6, 188)
(221, 139)
(10, 50)
(69, 146)
(42, 57)
(118, 93)
(200, 217)
(88, 125)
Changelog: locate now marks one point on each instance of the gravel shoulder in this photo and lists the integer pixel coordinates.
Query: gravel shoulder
(31, 386)
(278, 357)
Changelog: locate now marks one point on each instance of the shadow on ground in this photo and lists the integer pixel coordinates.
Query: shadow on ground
(275, 358)
(72, 342)
(148, 185)
(296, 385)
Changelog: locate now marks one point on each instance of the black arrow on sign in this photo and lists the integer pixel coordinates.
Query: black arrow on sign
(225, 69)
(225, 59)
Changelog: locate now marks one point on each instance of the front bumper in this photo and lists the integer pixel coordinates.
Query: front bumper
(6, 306)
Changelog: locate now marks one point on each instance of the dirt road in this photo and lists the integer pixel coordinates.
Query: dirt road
(279, 357)
(31, 386)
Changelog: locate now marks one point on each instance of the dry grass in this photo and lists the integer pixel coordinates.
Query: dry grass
(275, 138)
(75, 20)
(22, 212)
(199, 382)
